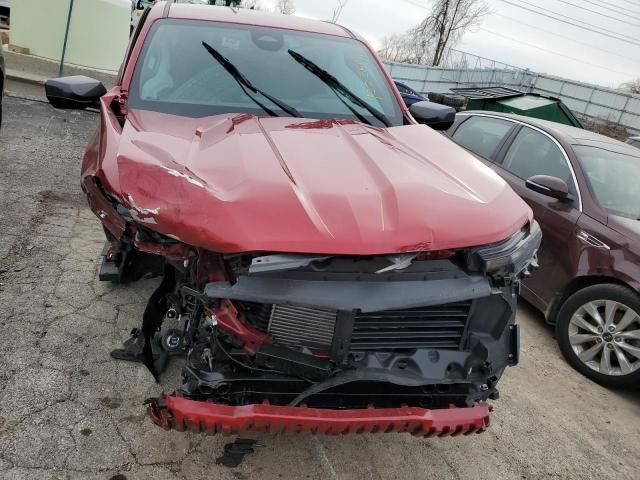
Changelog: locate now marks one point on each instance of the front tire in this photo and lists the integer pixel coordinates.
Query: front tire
(598, 330)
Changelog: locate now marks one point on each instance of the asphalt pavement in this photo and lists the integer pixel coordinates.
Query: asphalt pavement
(67, 411)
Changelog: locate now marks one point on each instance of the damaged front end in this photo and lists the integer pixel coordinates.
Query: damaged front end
(334, 344)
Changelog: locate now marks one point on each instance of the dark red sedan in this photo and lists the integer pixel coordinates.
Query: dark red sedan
(583, 189)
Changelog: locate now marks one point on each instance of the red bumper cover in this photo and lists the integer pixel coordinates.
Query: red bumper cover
(182, 414)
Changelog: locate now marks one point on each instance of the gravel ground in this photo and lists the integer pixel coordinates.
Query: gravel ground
(67, 411)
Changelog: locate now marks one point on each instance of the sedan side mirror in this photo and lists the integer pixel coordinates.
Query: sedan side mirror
(438, 117)
(77, 92)
(550, 186)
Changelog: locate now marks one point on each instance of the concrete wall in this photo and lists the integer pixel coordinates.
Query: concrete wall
(98, 33)
(586, 101)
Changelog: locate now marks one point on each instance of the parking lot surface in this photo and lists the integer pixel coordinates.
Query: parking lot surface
(68, 411)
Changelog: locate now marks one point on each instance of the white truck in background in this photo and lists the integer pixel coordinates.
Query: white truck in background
(5, 7)
(137, 8)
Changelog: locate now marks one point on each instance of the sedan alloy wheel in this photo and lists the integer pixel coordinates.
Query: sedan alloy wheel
(605, 336)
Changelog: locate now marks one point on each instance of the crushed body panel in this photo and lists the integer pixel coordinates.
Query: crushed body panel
(188, 177)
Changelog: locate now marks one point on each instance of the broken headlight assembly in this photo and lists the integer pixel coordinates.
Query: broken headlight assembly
(511, 259)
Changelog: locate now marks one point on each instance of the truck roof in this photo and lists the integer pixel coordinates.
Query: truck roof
(246, 16)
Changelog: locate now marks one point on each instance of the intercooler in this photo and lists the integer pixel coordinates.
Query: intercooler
(435, 327)
(308, 326)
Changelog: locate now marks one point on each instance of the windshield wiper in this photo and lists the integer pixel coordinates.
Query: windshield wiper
(246, 84)
(339, 89)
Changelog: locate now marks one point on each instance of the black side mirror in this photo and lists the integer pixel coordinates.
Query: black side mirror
(438, 117)
(550, 186)
(77, 92)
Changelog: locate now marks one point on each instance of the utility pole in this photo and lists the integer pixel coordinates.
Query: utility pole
(66, 37)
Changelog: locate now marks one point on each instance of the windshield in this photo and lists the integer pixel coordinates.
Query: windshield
(177, 75)
(613, 178)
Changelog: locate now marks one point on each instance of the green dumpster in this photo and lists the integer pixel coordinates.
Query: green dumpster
(508, 100)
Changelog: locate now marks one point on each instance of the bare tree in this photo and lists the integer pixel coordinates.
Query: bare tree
(421, 42)
(412, 47)
(397, 48)
(337, 12)
(632, 87)
(286, 7)
(429, 42)
(447, 23)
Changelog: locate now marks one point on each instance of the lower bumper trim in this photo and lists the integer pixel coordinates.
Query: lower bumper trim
(171, 412)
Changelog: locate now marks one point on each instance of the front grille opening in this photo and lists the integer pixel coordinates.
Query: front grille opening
(436, 327)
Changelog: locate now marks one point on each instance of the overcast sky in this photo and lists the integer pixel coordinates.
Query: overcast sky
(517, 36)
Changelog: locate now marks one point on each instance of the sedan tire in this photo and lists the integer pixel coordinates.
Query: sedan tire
(598, 331)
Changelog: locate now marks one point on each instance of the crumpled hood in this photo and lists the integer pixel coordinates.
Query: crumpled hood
(237, 183)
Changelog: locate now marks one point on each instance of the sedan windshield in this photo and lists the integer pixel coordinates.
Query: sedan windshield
(613, 178)
(177, 75)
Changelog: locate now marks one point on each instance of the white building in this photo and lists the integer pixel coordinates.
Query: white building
(98, 31)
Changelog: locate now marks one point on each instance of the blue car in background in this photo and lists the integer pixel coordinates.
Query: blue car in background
(409, 95)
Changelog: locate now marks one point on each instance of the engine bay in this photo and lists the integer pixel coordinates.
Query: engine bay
(431, 330)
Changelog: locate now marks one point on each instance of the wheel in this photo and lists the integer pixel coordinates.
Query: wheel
(598, 331)
(455, 101)
(436, 97)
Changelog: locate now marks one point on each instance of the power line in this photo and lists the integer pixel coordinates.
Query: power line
(606, 33)
(417, 4)
(600, 13)
(603, 2)
(633, 3)
(520, 22)
(635, 17)
(555, 53)
(631, 39)
(629, 14)
(623, 37)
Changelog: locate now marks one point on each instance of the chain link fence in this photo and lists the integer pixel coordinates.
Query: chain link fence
(606, 107)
